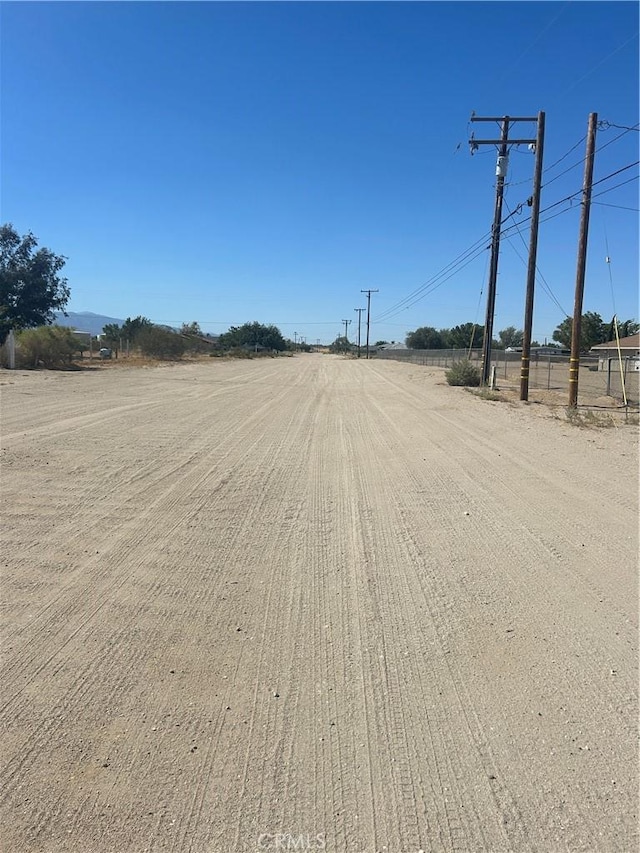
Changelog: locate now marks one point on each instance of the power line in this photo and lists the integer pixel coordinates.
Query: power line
(564, 156)
(433, 286)
(433, 283)
(532, 44)
(602, 125)
(578, 192)
(581, 162)
(603, 192)
(541, 278)
(426, 284)
(598, 64)
(400, 305)
(473, 252)
(605, 125)
(618, 206)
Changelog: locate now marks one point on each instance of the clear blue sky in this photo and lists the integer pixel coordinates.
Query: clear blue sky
(225, 162)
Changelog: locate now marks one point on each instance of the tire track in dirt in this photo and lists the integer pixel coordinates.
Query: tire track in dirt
(297, 527)
(594, 669)
(544, 522)
(168, 490)
(439, 813)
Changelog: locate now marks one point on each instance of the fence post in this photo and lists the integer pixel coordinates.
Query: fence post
(608, 391)
(11, 350)
(492, 377)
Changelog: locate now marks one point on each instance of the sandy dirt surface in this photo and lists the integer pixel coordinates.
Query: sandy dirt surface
(313, 604)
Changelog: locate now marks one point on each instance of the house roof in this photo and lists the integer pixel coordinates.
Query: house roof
(631, 342)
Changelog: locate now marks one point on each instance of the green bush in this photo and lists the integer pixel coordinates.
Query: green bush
(155, 342)
(45, 346)
(463, 373)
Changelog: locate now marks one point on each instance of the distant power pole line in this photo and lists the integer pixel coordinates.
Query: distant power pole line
(346, 323)
(359, 310)
(501, 174)
(368, 292)
(576, 327)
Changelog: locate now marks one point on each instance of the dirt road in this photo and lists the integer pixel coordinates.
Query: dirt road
(312, 604)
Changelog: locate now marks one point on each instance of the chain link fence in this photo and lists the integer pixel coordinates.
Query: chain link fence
(598, 377)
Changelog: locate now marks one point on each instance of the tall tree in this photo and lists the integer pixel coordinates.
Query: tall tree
(131, 328)
(625, 328)
(31, 291)
(426, 337)
(253, 335)
(510, 337)
(113, 335)
(592, 331)
(341, 344)
(191, 329)
(463, 336)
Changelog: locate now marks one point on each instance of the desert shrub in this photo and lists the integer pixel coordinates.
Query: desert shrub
(588, 418)
(45, 346)
(487, 394)
(463, 373)
(155, 342)
(239, 352)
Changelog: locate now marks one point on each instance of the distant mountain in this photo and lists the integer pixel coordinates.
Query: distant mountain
(86, 321)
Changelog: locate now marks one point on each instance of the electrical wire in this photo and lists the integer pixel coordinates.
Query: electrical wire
(474, 252)
(581, 162)
(531, 45)
(618, 206)
(541, 279)
(400, 305)
(602, 125)
(579, 192)
(434, 286)
(598, 64)
(604, 192)
(605, 125)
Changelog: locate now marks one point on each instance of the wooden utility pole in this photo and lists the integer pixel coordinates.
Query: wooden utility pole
(346, 323)
(576, 327)
(531, 269)
(359, 310)
(501, 173)
(368, 292)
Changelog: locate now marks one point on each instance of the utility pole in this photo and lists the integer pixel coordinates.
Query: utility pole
(501, 174)
(576, 327)
(359, 310)
(368, 292)
(531, 269)
(295, 341)
(346, 323)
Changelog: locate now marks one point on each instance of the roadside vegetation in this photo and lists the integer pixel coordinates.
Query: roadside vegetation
(594, 330)
(464, 373)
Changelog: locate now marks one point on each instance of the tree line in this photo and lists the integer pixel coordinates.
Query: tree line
(594, 330)
(32, 290)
